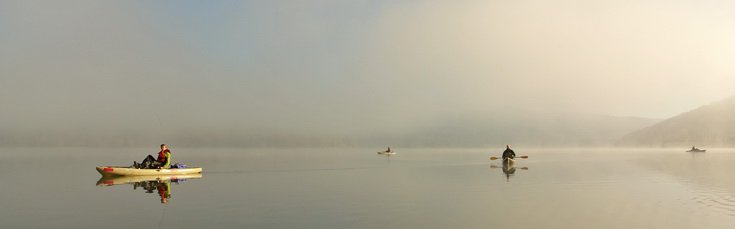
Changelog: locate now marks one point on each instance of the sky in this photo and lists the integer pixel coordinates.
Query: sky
(353, 66)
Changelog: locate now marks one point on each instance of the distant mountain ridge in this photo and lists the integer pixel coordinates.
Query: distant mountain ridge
(711, 125)
(523, 129)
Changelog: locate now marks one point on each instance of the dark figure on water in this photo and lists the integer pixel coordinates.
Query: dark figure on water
(508, 153)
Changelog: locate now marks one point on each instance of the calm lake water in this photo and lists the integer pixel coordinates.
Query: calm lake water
(356, 188)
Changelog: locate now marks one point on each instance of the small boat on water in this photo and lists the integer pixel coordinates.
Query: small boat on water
(697, 150)
(387, 153)
(127, 171)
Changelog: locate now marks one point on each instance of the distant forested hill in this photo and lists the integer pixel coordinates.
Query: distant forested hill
(522, 129)
(525, 130)
(710, 125)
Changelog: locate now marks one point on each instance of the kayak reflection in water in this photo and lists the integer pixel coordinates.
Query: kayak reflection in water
(164, 191)
(163, 187)
(151, 184)
(508, 169)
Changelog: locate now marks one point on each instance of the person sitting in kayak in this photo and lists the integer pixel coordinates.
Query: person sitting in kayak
(163, 160)
(388, 151)
(164, 157)
(508, 153)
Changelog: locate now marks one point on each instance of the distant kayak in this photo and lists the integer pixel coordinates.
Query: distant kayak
(117, 180)
(387, 153)
(127, 171)
(697, 150)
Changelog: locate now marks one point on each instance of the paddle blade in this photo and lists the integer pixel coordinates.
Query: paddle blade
(524, 157)
(493, 158)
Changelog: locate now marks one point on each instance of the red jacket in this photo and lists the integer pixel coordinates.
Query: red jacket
(162, 156)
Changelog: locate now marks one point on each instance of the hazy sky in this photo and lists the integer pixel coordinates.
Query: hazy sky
(354, 65)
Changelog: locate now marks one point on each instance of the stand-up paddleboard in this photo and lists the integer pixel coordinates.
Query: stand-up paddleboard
(127, 171)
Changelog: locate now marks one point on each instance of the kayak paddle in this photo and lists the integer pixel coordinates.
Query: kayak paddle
(496, 158)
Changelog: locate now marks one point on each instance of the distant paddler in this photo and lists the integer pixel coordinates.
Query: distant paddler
(387, 152)
(508, 155)
(696, 150)
(508, 162)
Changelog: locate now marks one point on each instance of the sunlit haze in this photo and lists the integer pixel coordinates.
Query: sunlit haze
(346, 70)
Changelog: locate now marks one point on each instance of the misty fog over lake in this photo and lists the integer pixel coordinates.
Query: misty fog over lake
(289, 108)
(357, 73)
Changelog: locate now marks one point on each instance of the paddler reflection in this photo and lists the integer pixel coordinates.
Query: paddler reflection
(162, 187)
(164, 191)
(508, 168)
(151, 184)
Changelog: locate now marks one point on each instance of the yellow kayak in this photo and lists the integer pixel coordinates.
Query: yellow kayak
(127, 171)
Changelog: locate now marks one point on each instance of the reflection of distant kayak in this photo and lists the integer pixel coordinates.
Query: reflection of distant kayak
(507, 162)
(127, 171)
(108, 181)
(697, 150)
(387, 153)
